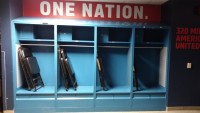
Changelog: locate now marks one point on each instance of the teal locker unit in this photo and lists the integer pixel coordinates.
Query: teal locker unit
(151, 52)
(78, 43)
(122, 47)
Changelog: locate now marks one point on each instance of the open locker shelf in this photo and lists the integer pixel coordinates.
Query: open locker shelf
(114, 89)
(156, 89)
(80, 90)
(43, 90)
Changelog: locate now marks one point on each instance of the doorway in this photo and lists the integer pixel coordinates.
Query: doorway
(1, 97)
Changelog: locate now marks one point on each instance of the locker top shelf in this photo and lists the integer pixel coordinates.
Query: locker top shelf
(78, 22)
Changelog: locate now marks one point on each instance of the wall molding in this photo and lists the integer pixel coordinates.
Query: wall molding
(183, 108)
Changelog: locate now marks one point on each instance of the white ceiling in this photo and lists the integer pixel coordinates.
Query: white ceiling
(157, 2)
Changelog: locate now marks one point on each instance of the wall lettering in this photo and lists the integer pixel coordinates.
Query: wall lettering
(187, 38)
(91, 10)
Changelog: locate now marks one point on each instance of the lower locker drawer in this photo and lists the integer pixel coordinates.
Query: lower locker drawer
(34, 103)
(149, 102)
(75, 103)
(112, 102)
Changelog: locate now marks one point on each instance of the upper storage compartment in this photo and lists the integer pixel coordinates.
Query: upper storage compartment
(75, 33)
(35, 32)
(114, 35)
(150, 36)
(120, 34)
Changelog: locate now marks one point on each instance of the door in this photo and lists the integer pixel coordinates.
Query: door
(1, 97)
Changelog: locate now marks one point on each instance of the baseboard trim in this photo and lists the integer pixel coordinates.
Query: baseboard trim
(8, 111)
(183, 108)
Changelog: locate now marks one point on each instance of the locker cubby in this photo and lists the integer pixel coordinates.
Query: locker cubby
(113, 46)
(82, 61)
(116, 73)
(35, 32)
(44, 56)
(150, 59)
